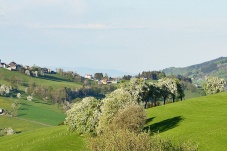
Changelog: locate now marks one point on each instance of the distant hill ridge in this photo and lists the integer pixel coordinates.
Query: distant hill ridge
(216, 67)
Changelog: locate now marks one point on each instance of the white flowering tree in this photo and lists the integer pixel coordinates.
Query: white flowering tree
(84, 116)
(29, 98)
(27, 72)
(135, 88)
(4, 90)
(214, 85)
(18, 95)
(7, 131)
(113, 102)
(164, 91)
(169, 84)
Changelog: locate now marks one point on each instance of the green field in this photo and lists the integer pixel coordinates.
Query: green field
(202, 120)
(49, 139)
(18, 125)
(35, 110)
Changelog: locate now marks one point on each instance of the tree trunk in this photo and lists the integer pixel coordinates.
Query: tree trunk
(145, 106)
(164, 100)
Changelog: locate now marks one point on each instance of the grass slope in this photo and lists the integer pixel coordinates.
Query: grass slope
(48, 80)
(18, 125)
(36, 110)
(40, 111)
(202, 120)
(51, 139)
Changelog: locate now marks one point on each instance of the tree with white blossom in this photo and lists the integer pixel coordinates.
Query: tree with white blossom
(114, 102)
(214, 85)
(4, 90)
(84, 116)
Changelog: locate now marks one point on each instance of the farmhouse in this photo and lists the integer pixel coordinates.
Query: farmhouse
(88, 76)
(2, 65)
(13, 66)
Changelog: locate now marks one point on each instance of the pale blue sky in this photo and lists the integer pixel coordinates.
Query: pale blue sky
(127, 35)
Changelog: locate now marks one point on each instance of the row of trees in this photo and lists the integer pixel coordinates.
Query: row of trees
(62, 95)
(135, 92)
(152, 75)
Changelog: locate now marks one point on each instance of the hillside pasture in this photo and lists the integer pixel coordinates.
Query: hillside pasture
(202, 120)
(54, 81)
(51, 138)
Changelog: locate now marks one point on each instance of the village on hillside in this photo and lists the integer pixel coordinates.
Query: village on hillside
(37, 71)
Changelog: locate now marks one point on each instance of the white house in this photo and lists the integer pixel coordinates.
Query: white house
(2, 65)
(88, 76)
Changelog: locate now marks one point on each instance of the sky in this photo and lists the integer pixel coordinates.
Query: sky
(127, 35)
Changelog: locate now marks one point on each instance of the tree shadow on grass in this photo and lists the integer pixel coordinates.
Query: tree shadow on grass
(149, 120)
(25, 104)
(23, 109)
(164, 125)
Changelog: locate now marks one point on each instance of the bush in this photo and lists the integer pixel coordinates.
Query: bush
(120, 140)
(84, 116)
(7, 131)
(125, 140)
(113, 102)
(132, 118)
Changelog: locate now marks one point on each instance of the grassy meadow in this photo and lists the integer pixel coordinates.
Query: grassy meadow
(202, 120)
(51, 139)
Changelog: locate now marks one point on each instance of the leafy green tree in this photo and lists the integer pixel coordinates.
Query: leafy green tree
(127, 77)
(152, 91)
(164, 91)
(84, 116)
(98, 76)
(214, 85)
(180, 91)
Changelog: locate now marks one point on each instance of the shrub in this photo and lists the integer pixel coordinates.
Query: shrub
(125, 140)
(120, 140)
(18, 95)
(29, 98)
(7, 131)
(84, 116)
(113, 102)
(132, 117)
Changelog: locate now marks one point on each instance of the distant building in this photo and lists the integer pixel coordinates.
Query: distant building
(27, 67)
(88, 76)
(13, 66)
(2, 65)
(104, 81)
(45, 70)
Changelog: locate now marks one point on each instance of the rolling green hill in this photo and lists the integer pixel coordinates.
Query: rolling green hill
(216, 67)
(52, 80)
(51, 139)
(202, 120)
